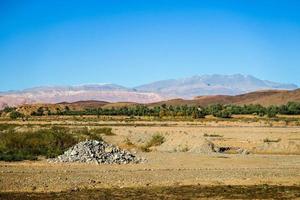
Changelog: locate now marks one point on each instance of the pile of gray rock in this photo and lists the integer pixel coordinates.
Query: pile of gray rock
(99, 152)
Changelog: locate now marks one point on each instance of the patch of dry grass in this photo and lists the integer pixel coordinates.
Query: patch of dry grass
(156, 140)
(267, 140)
(212, 135)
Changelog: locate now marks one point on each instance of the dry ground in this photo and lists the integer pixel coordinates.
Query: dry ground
(162, 169)
(176, 162)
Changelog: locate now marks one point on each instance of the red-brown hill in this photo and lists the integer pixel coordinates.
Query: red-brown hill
(265, 98)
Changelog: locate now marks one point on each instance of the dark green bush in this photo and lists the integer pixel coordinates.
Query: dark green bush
(5, 127)
(272, 111)
(223, 114)
(15, 115)
(8, 109)
(190, 111)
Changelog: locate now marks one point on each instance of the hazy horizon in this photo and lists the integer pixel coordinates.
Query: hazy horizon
(129, 87)
(132, 42)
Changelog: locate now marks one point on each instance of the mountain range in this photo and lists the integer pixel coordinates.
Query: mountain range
(216, 84)
(185, 88)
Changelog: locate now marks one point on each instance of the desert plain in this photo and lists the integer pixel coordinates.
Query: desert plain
(269, 161)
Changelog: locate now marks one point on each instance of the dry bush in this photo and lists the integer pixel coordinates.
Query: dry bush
(156, 140)
(212, 135)
(102, 131)
(267, 140)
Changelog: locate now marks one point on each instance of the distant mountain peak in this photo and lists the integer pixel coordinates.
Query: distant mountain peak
(185, 88)
(215, 84)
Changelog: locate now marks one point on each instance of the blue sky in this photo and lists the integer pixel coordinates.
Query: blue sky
(127, 42)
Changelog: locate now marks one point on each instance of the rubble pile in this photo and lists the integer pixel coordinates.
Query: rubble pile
(98, 152)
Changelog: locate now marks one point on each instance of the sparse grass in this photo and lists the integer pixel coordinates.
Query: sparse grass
(144, 148)
(128, 142)
(212, 135)
(294, 139)
(184, 148)
(103, 130)
(156, 140)
(267, 140)
(84, 134)
(4, 127)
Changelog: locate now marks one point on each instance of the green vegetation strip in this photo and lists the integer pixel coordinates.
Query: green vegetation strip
(194, 112)
(30, 144)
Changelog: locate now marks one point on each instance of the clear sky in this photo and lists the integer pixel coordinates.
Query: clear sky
(132, 42)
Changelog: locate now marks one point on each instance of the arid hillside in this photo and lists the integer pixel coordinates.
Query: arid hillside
(186, 88)
(265, 98)
(214, 84)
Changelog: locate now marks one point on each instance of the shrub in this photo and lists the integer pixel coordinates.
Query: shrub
(6, 127)
(267, 140)
(223, 114)
(92, 136)
(145, 149)
(184, 148)
(84, 134)
(8, 109)
(155, 140)
(103, 130)
(15, 146)
(15, 115)
(18, 156)
(271, 114)
(212, 135)
(128, 142)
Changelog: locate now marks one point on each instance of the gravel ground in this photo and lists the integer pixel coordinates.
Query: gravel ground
(168, 170)
(162, 169)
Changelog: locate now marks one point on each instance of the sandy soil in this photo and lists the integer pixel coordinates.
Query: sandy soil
(162, 169)
(275, 163)
(190, 138)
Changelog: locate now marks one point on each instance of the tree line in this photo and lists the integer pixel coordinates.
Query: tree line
(217, 110)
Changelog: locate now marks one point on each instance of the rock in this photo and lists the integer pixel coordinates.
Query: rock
(98, 152)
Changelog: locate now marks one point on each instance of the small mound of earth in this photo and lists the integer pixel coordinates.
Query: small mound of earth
(208, 147)
(99, 152)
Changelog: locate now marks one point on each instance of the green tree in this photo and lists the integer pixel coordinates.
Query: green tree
(15, 115)
(223, 114)
(272, 111)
